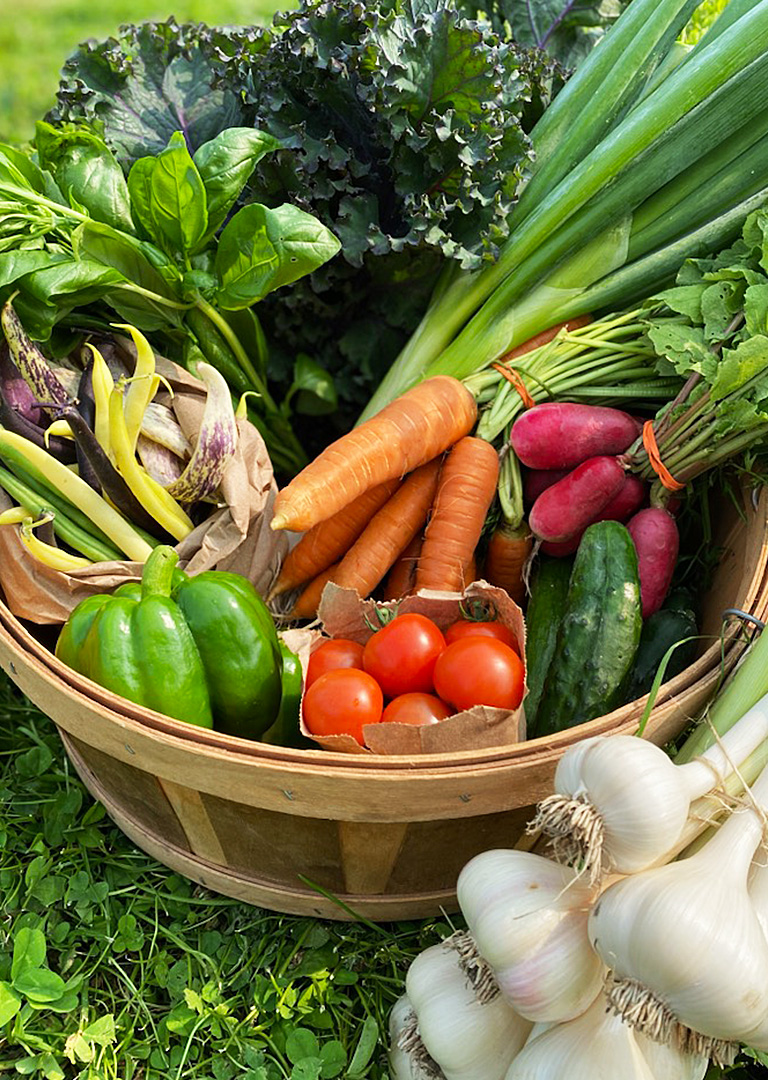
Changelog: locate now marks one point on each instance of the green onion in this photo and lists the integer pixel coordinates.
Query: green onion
(577, 228)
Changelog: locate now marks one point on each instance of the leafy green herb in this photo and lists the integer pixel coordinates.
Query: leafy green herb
(567, 29)
(150, 248)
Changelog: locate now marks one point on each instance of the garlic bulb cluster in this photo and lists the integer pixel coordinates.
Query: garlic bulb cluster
(528, 918)
(687, 950)
(466, 1038)
(598, 1045)
(620, 804)
(647, 975)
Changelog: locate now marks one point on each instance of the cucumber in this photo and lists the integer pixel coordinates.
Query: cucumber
(599, 632)
(543, 615)
(661, 631)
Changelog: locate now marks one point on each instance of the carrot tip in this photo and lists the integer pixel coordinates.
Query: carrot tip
(279, 521)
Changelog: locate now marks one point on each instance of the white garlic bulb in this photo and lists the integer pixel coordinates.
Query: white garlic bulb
(620, 804)
(528, 917)
(468, 1039)
(403, 1065)
(598, 1045)
(687, 951)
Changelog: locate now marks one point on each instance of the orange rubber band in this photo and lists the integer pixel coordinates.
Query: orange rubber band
(513, 376)
(658, 466)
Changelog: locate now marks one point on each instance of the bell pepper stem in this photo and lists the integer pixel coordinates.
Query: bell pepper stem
(157, 578)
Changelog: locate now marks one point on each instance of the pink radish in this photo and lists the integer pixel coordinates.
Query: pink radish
(567, 507)
(562, 434)
(537, 480)
(657, 541)
(625, 502)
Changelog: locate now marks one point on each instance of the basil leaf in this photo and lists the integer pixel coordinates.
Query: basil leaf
(261, 249)
(312, 392)
(225, 163)
(81, 281)
(124, 254)
(140, 192)
(87, 173)
(177, 199)
(17, 264)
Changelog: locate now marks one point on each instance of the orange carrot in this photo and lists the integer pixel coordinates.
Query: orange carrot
(389, 532)
(306, 604)
(505, 559)
(408, 432)
(544, 336)
(466, 490)
(329, 540)
(402, 573)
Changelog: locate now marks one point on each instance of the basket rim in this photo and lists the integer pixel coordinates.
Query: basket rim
(151, 723)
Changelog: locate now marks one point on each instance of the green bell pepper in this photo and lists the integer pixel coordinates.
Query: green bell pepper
(202, 649)
(285, 730)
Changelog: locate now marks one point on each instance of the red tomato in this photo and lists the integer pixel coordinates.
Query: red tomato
(332, 654)
(416, 709)
(402, 655)
(341, 701)
(479, 671)
(495, 628)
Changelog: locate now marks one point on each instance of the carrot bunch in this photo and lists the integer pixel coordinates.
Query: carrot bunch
(404, 496)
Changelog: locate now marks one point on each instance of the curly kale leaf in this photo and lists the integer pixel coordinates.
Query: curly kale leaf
(566, 29)
(154, 79)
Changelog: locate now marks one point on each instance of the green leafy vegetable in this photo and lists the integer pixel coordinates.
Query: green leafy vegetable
(402, 127)
(567, 30)
(150, 250)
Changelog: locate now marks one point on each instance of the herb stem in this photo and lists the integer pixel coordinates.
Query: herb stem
(235, 345)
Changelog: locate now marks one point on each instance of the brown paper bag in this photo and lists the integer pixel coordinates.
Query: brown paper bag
(342, 614)
(236, 536)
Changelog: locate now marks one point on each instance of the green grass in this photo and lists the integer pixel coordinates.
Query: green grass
(39, 36)
(129, 971)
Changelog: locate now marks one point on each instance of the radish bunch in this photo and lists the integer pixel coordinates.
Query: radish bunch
(577, 475)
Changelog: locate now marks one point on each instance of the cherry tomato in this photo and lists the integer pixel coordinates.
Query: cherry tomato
(332, 654)
(495, 628)
(341, 701)
(479, 671)
(402, 655)
(416, 709)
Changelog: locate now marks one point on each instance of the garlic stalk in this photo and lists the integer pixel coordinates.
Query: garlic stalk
(620, 803)
(466, 1038)
(528, 918)
(598, 1045)
(687, 953)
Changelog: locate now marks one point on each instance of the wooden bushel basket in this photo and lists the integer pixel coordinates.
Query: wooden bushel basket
(325, 834)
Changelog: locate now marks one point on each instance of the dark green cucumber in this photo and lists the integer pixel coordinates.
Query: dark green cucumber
(665, 628)
(599, 632)
(543, 615)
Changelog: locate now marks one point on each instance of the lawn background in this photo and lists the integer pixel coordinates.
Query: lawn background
(124, 970)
